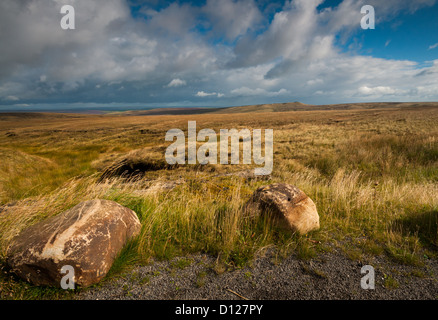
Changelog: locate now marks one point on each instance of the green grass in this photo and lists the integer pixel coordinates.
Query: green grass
(390, 282)
(201, 279)
(35, 172)
(406, 157)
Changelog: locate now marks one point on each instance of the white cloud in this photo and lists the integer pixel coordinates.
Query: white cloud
(176, 83)
(433, 46)
(204, 94)
(232, 18)
(313, 82)
(289, 36)
(107, 45)
(380, 90)
(296, 54)
(32, 31)
(207, 94)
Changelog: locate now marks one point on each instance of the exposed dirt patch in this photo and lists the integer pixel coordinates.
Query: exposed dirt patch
(133, 164)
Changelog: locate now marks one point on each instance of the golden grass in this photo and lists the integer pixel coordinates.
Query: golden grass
(373, 175)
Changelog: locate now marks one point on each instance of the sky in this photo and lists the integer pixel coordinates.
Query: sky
(136, 54)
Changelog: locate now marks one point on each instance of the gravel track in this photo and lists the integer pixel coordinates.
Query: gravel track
(329, 276)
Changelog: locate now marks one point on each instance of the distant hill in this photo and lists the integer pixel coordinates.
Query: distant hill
(274, 107)
(278, 107)
(298, 106)
(168, 111)
(10, 116)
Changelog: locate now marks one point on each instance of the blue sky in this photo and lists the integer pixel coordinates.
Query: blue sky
(134, 54)
(408, 36)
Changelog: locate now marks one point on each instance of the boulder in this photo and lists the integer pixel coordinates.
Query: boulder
(86, 237)
(287, 204)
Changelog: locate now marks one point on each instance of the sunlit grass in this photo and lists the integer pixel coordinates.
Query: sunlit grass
(373, 180)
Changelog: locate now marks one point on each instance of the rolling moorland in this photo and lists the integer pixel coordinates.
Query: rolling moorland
(371, 169)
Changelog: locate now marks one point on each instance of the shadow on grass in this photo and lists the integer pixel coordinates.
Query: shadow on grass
(424, 225)
(127, 258)
(14, 288)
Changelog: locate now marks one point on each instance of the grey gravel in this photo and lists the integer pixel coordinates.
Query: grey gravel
(329, 276)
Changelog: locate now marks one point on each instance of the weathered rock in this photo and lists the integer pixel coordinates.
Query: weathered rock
(87, 237)
(289, 206)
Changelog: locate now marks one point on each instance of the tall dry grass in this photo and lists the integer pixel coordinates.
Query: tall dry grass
(373, 179)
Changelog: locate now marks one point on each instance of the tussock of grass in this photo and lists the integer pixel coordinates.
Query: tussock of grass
(133, 164)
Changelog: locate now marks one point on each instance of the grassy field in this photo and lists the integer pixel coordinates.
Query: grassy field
(372, 171)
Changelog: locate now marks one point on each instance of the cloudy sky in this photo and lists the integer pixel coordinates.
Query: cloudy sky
(133, 53)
